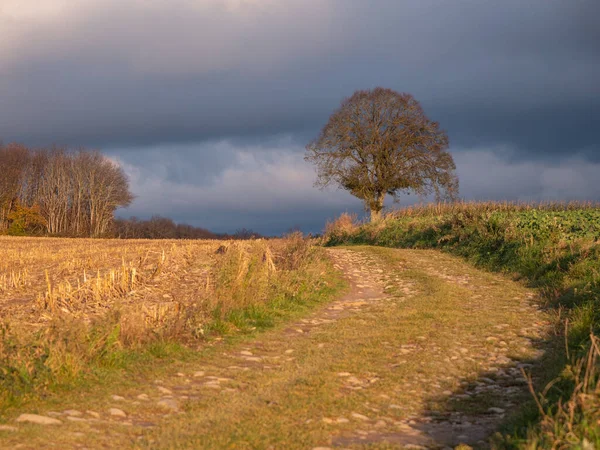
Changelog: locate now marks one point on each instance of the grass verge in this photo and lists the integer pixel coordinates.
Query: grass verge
(553, 248)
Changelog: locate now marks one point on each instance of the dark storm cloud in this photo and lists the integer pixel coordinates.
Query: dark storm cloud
(269, 189)
(510, 71)
(194, 96)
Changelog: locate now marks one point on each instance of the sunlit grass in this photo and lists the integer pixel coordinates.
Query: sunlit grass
(553, 247)
(73, 309)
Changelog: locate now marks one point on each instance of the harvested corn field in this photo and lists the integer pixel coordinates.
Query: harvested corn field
(70, 306)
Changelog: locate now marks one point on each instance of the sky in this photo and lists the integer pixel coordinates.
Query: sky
(208, 104)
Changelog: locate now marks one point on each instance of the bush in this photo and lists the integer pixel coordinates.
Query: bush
(25, 220)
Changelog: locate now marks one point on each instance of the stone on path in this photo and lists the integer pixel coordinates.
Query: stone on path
(353, 380)
(76, 419)
(143, 397)
(8, 428)
(253, 358)
(117, 398)
(40, 420)
(359, 416)
(380, 424)
(72, 413)
(116, 412)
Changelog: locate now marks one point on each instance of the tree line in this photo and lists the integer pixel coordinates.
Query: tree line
(158, 227)
(59, 192)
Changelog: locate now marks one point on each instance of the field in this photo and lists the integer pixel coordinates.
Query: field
(71, 307)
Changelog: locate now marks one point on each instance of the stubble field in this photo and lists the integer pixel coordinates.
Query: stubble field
(71, 306)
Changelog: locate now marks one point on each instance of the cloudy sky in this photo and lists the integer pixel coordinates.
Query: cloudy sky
(208, 104)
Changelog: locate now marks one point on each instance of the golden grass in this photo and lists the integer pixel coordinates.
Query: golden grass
(67, 303)
(345, 223)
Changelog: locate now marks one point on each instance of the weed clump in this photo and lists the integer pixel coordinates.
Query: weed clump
(342, 227)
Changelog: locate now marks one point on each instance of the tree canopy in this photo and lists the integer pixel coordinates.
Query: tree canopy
(381, 142)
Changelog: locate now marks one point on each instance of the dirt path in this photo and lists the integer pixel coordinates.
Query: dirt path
(424, 351)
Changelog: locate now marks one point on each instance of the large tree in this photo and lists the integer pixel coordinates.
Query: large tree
(381, 142)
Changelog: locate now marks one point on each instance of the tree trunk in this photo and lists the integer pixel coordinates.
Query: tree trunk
(377, 207)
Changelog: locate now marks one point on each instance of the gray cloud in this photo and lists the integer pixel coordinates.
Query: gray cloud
(188, 93)
(270, 189)
(109, 72)
(486, 175)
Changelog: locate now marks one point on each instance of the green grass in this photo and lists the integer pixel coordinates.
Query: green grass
(554, 248)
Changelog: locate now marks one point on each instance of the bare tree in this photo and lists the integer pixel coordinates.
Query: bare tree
(55, 191)
(158, 228)
(381, 142)
(108, 189)
(32, 178)
(76, 194)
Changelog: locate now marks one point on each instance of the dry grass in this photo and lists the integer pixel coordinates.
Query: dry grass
(13, 280)
(574, 421)
(346, 223)
(69, 304)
